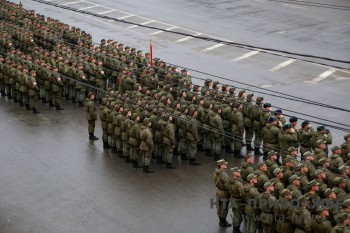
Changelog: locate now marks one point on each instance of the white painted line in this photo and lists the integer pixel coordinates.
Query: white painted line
(71, 3)
(89, 7)
(126, 16)
(322, 76)
(187, 38)
(213, 47)
(283, 64)
(106, 12)
(252, 53)
(167, 29)
(145, 23)
(292, 6)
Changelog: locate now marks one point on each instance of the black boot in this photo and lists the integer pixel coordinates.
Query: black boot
(21, 103)
(127, 160)
(43, 100)
(236, 230)
(170, 166)
(73, 101)
(15, 100)
(147, 169)
(106, 146)
(223, 222)
(120, 154)
(28, 107)
(58, 107)
(194, 162)
(92, 136)
(237, 154)
(114, 150)
(250, 147)
(135, 164)
(257, 151)
(81, 104)
(160, 160)
(9, 96)
(51, 104)
(184, 157)
(35, 110)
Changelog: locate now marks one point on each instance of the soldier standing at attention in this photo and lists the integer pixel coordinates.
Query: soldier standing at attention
(235, 188)
(305, 135)
(91, 115)
(169, 141)
(146, 145)
(222, 194)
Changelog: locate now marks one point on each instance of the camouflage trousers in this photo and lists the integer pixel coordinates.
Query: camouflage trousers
(168, 149)
(228, 138)
(105, 135)
(126, 149)
(91, 126)
(159, 150)
(33, 101)
(134, 152)
(146, 157)
(249, 134)
(258, 138)
(237, 211)
(118, 143)
(181, 147)
(216, 146)
(23, 97)
(252, 223)
(191, 149)
(222, 207)
(267, 222)
(56, 98)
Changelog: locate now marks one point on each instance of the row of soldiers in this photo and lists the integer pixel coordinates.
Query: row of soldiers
(283, 198)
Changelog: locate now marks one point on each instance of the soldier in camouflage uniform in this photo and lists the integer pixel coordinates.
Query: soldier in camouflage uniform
(169, 142)
(91, 115)
(248, 121)
(125, 135)
(324, 134)
(257, 125)
(305, 135)
(235, 188)
(277, 181)
(238, 130)
(270, 136)
(56, 89)
(345, 148)
(192, 137)
(251, 194)
(335, 160)
(247, 167)
(146, 145)
(33, 92)
(283, 211)
(217, 132)
(104, 113)
(320, 223)
(134, 140)
(266, 217)
(301, 216)
(294, 186)
(288, 137)
(262, 177)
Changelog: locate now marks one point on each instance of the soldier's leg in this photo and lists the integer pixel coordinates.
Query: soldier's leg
(257, 142)
(146, 160)
(81, 97)
(249, 133)
(169, 154)
(58, 100)
(118, 144)
(126, 151)
(34, 103)
(26, 101)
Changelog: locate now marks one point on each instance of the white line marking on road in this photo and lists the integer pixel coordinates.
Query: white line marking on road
(252, 53)
(145, 23)
(213, 47)
(126, 16)
(106, 12)
(283, 64)
(321, 76)
(167, 29)
(290, 5)
(88, 7)
(71, 3)
(187, 38)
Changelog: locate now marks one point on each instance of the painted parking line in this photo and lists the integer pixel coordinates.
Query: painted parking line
(158, 32)
(71, 3)
(283, 64)
(126, 16)
(88, 7)
(145, 23)
(187, 38)
(213, 47)
(106, 12)
(321, 76)
(252, 53)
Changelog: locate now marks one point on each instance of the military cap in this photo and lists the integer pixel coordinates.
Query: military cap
(290, 149)
(184, 70)
(334, 148)
(259, 100)
(321, 208)
(318, 172)
(241, 92)
(313, 183)
(90, 94)
(248, 156)
(321, 128)
(271, 153)
(249, 96)
(338, 180)
(267, 184)
(207, 81)
(139, 51)
(323, 160)
(232, 90)
(293, 119)
(343, 168)
(278, 111)
(293, 177)
(267, 105)
(272, 119)
(261, 164)
(305, 123)
(286, 160)
(216, 108)
(287, 126)
(285, 192)
(319, 142)
(346, 203)
(235, 169)
(347, 136)
(327, 192)
(277, 170)
(120, 44)
(127, 47)
(223, 87)
(146, 121)
(307, 153)
(341, 217)
(221, 162)
(251, 176)
(300, 165)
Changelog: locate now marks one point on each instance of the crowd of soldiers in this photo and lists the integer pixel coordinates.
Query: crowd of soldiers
(154, 111)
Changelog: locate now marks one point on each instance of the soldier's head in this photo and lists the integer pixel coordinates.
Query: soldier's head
(295, 180)
(235, 172)
(346, 205)
(303, 168)
(272, 155)
(313, 186)
(293, 121)
(320, 174)
(249, 158)
(147, 122)
(343, 218)
(324, 162)
(321, 144)
(222, 164)
(344, 170)
(322, 211)
(268, 186)
(322, 129)
(339, 182)
(91, 95)
(293, 151)
(330, 194)
(278, 173)
(347, 138)
(336, 150)
(250, 97)
(242, 94)
(268, 107)
(309, 156)
(252, 179)
(208, 82)
(286, 193)
(288, 162)
(262, 166)
(306, 124)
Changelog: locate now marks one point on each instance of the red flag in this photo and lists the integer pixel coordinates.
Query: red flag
(150, 52)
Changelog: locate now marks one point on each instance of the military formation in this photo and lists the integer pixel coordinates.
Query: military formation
(155, 112)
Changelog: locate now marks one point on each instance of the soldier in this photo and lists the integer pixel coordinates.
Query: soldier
(217, 132)
(304, 179)
(117, 136)
(238, 130)
(319, 150)
(309, 161)
(222, 194)
(305, 136)
(335, 160)
(271, 163)
(280, 118)
(91, 115)
(320, 223)
(134, 140)
(104, 113)
(287, 168)
(251, 193)
(262, 177)
(169, 142)
(345, 148)
(206, 87)
(159, 126)
(301, 216)
(235, 188)
(288, 137)
(247, 166)
(277, 181)
(257, 126)
(192, 137)
(312, 195)
(339, 189)
(125, 135)
(23, 90)
(324, 134)
(33, 92)
(266, 217)
(294, 122)
(283, 211)
(265, 114)
(270, 136)
(343, 222)
(294, 186)
(320, 179)
(248, 121)
(56, 89)
(146, 145)
(344, 173)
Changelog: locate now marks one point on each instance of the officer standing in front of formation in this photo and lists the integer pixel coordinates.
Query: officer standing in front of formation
(222, 194)
(91, 115)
